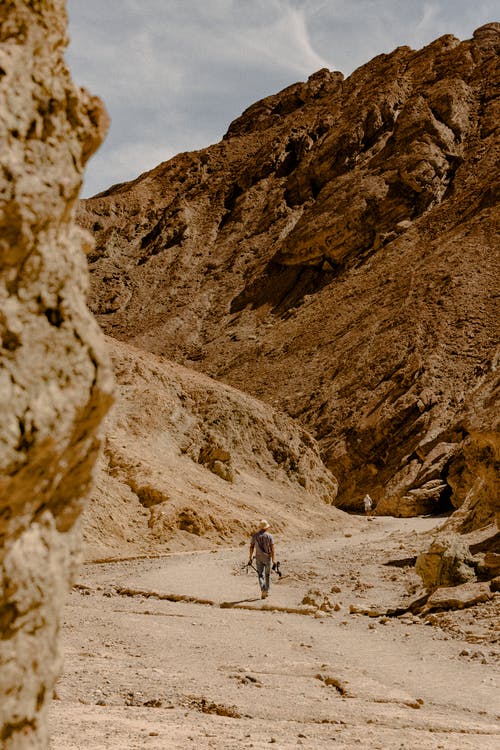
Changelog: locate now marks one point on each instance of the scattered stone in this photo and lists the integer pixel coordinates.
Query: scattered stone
(329, 681)
(318, 599)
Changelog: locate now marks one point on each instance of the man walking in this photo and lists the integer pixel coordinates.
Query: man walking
(263, 544)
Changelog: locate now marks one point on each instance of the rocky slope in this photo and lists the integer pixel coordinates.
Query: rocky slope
(55, 380)
(191, 463)
(334, 255)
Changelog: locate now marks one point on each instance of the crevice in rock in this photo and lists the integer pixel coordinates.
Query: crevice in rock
(26, 433)
(10, 341)
(290, 160)
(152, 235)
(8, 616)
(315, 186)
(284, 287)
(444, 504)
(229, 203)
(54, 316)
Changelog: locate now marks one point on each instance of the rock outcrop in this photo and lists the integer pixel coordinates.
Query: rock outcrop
(447, 562)
(55, 383)
(192, 463)
(456, 556)
(334, 256)
(475, 473)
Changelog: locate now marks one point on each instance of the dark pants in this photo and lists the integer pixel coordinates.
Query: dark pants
(264, 567)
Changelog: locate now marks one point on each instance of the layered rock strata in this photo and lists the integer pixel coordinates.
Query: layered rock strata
(55, 383)
(334, 255)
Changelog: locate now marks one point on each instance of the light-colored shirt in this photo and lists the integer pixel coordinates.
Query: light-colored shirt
(264, 543)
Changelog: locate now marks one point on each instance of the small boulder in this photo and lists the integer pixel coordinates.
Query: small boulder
(447, 562)
(458, 597)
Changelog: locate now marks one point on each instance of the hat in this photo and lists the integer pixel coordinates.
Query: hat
(263, 524)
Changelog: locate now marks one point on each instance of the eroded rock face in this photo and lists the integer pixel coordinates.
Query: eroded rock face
(481, 454)
(191, 463)
(334, 256)
(55, 383)
(474, 475)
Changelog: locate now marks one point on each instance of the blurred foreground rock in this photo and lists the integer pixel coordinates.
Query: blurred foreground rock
(55, 382)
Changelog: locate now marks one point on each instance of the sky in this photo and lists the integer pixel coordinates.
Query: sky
(174, 73)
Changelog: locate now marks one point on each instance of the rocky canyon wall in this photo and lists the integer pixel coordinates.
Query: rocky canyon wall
(335, 255)
(55, 382)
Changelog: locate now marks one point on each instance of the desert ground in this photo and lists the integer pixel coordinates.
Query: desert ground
(180, 651)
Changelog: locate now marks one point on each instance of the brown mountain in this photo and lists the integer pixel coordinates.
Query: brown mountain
(334, 255)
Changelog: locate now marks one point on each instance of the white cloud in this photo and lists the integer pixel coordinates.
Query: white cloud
(428, 20)
(286, 43)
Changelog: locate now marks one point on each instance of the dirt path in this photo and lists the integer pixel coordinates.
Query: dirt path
(181, 652)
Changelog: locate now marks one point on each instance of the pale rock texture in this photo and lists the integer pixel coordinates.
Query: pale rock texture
(189, 463)
(55, 382)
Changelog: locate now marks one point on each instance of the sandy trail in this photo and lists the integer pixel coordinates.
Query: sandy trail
(181, 652)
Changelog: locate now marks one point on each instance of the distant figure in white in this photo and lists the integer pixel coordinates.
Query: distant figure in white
(368, 503)
(263, 544)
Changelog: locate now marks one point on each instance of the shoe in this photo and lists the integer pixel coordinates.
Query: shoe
(263, 595)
